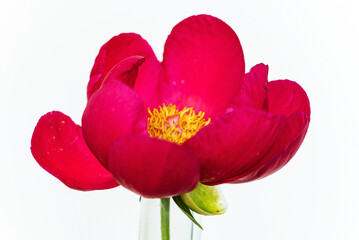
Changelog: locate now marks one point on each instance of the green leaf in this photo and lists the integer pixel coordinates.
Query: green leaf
(140, 199)
(178, 200)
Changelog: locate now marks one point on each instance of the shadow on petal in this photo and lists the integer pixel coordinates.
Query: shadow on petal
(153, 168)
(234, 143)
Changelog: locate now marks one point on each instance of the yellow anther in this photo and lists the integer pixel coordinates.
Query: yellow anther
(175, 126)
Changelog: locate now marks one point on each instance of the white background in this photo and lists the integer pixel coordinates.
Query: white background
(47, 49)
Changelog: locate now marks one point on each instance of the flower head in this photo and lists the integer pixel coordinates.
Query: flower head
(159, 128)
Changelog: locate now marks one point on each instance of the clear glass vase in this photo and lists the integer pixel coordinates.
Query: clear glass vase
(154, 223)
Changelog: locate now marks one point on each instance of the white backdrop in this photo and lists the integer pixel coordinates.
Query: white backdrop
(47, 49)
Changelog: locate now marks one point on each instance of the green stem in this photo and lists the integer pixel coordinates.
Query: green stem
(165, 218)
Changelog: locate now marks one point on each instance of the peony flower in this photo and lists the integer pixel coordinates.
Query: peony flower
(160, 128)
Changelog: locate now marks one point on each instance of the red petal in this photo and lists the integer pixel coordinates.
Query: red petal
(286, 97)
(58, 146)
(204, 64)
(153, 168)
(253, 92)
(118, 48)
(234, 143)
(115, 110)
(125, 71)
(282, 151)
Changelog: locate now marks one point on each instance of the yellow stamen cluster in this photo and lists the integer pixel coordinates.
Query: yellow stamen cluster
(175, 126)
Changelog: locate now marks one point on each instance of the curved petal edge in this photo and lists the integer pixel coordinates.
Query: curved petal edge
(153, 168)
(113, 111)
(203, 64)
(234, 143)
(253, 92)
(58, 146)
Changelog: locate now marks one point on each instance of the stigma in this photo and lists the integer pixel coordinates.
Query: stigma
(170, 124)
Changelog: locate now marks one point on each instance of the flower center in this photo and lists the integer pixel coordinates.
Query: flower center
(175, 126)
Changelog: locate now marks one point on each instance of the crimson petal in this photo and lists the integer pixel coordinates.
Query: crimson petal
(253, 92)
(234, 143)
(286, 146)
(115, 50)
(204, 65)
(286, 98)
(113, 111)
(58, 146)
(153, 168)
(125, 71)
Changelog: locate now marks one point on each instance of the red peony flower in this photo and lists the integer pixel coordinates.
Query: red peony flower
(158, 128)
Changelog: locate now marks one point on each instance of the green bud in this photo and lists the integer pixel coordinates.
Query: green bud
(206, 200)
